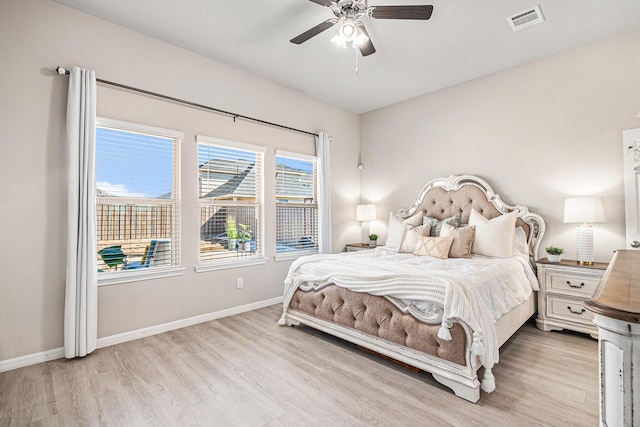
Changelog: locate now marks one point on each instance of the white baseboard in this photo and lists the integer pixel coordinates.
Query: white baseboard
(31, 359)
(57, 353)
(166, 327)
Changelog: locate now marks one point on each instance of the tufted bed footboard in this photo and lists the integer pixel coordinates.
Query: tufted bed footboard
(380, 318)
(375, 323)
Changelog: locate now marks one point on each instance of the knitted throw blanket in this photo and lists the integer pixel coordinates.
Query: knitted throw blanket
(452, 289)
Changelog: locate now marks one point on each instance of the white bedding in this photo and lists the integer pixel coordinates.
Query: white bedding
(477, 291)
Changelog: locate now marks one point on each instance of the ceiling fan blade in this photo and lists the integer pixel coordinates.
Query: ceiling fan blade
(323, 2)
(422, 12)
(314, 31)
(366, 48)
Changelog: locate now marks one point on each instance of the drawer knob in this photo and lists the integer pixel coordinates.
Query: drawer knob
(575, 286)
(576, 312)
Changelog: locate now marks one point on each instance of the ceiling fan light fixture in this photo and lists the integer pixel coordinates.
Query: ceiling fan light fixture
(350, 33)
(339, 41)
(348, 30)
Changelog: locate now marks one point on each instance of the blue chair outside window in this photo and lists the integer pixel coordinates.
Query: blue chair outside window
(146, 259)
(158, 253)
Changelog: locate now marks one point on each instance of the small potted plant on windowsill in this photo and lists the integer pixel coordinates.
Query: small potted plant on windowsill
(554, 254)
(373, 239)
(232, 233)
(244, 237)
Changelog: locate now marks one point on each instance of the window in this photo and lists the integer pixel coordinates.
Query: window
(230, 201)
(296, 204)
(137, 200)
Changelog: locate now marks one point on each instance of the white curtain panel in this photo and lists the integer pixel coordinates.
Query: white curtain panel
(324, 192)
(81, 299)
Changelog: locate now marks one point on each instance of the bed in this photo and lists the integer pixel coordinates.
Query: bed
(453, 282)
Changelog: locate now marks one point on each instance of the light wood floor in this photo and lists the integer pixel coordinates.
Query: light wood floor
(247, 371)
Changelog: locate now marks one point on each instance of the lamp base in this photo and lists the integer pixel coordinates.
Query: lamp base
(584, 233)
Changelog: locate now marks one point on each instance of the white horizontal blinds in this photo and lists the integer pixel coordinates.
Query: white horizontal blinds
(296, 203)
(230, 186)
(137, 206)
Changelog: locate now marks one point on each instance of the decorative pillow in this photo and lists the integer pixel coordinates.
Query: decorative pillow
(520, 245)
(433, 246)
(396, 231)
(494, 237)
(462, 240)
(410, 238)
(415, 219)
(436, 224)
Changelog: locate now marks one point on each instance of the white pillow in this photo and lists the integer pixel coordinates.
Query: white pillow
(520, 246)
(411, 236)
(396, 231)
(494, 237)
(415, 219)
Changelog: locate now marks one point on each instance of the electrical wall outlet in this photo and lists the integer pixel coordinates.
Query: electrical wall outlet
(239, 283)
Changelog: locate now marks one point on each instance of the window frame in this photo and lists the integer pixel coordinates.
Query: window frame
(175, 269)
(288, 256)
(259, 258)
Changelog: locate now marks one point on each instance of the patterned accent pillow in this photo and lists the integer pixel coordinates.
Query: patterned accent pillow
(436, 224)
(462, 240)
(410, 238)
(433, 246)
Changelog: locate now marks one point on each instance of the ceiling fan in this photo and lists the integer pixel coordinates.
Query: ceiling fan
(352, 31)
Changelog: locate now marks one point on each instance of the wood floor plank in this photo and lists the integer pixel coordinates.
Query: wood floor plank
(244, 370)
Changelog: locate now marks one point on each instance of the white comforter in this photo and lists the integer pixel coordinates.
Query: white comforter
(477, 291)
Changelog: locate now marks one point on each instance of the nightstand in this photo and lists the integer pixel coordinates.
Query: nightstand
(564, 286)
(352, 247)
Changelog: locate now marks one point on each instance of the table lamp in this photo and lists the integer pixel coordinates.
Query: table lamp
(364, 214)
(584, 210)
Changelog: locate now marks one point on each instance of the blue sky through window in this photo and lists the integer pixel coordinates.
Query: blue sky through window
(130, 164)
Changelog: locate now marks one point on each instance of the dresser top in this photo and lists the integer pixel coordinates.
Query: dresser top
(574, 263)
(618, 295)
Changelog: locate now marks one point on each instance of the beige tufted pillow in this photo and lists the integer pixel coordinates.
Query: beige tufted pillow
(462, 240)
(433, 246)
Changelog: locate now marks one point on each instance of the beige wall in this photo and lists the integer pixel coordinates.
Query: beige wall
(537, 133)
(38, 35)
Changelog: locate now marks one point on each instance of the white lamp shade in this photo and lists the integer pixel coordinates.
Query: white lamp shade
(584, 210)
(365, 212)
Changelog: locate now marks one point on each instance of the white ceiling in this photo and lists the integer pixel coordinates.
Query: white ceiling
(463, 40)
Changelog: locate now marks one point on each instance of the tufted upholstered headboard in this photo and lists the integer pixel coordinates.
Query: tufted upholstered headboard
(445, 197)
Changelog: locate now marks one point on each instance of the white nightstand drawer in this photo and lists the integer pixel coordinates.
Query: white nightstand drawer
(568, 309)
(572, 284)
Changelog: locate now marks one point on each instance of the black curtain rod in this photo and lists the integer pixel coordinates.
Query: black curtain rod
(63, 71)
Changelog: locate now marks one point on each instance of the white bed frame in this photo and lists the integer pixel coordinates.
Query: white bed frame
(463, 380)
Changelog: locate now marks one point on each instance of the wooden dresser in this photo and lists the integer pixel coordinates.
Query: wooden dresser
(616, 309)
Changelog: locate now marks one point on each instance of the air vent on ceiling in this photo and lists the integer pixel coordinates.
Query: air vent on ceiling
(526, 19)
